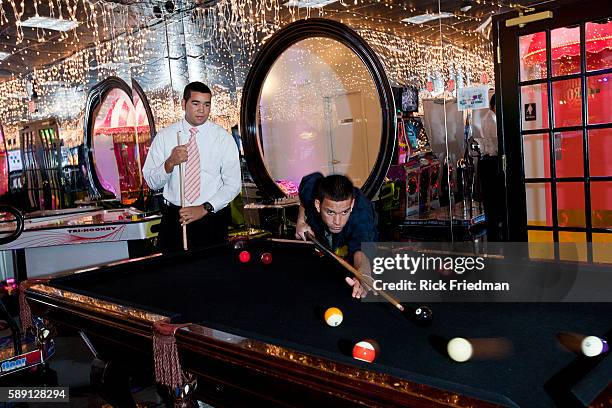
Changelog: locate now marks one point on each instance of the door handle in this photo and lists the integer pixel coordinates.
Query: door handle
(335, 161)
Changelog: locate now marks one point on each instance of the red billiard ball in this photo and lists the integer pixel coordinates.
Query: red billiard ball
(319, 253)
(366, 350)
(244, 256)
(266, 258)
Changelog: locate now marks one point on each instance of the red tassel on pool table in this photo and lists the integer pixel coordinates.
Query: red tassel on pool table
(25, 313)
(165, 354)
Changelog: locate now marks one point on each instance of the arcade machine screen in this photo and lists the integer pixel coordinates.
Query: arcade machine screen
(412, 133)
(410, 99)
(15, 168)
(14, 160)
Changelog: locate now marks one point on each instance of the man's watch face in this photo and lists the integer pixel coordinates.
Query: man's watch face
(208, 207)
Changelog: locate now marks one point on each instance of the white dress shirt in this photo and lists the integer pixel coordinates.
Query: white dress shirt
(488, 130)
(220, 179)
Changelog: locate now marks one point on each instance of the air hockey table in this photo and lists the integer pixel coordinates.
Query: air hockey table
(60, 240)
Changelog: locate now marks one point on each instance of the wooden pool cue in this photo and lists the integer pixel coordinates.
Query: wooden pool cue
(360, 276)
(182, 181)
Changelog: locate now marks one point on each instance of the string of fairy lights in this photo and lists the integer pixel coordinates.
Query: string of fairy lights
(411, 62)
(129, 42)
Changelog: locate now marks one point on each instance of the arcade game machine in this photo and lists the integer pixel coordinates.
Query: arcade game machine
(21, 352)
(74, 180)
(42, 165)
(419, 209)
(56, 238)
(54, 241)
(417, 169)
(15, 172)
(12, 189)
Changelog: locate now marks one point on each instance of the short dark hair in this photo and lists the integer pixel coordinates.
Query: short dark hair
(492, 102)
(335, 187)
(195, 87)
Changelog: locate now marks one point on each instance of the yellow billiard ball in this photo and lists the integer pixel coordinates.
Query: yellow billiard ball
(333, 316)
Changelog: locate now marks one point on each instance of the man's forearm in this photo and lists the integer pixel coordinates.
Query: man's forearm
(301, 215)
(361, 262)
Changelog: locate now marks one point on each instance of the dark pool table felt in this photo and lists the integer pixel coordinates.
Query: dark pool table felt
(283, 303)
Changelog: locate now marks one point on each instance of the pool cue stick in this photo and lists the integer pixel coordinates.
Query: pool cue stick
(182, 181)
(360, 276)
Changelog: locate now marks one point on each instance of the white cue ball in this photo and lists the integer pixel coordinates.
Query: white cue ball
(592, 346)
(459, 349)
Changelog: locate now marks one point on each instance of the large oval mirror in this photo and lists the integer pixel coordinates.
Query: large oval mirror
(319, 111)
(324, 105)
(118, 132)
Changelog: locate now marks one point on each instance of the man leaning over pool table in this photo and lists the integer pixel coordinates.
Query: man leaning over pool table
(339, 215)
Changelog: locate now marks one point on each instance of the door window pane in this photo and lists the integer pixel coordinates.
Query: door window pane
(573, 246)
(565, 44)
(536, 156)
(602, 248)
(534, 107)
(567, 101)
(533, 56)
(570, 204)
(599, 45)
(601, 204)
(539, 204)
(600, 152)
(568, 154)
(600, 98)
(540, 244)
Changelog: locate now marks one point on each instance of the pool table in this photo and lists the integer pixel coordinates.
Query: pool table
(255, 334)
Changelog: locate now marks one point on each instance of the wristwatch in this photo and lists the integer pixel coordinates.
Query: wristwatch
(208, 207)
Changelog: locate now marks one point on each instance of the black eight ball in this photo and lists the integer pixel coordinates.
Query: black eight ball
(423, 314)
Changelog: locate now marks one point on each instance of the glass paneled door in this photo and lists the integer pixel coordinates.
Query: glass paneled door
(554, 77)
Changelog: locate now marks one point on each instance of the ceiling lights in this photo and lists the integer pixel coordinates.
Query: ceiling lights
(466, 5)
(309, 3)
(49, 23)
(425, 18)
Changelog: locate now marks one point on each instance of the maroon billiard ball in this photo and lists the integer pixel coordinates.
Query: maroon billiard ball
(319, 253)
(244, 256)
(266, 258)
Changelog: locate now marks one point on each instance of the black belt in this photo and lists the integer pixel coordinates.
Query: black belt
(171, 205)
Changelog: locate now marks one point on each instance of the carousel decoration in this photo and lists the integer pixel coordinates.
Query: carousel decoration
(118, 132)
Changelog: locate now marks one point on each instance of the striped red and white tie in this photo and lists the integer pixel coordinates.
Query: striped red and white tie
(192, 173)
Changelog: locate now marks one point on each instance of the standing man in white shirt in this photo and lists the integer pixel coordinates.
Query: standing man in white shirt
(491, 177)
(211, 174)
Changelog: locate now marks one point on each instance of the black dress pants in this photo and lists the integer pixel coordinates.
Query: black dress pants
(208, 231)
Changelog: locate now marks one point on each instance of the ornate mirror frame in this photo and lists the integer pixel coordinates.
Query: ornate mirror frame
(261, 66)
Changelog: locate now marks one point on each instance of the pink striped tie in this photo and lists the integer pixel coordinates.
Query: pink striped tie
(192, 174)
